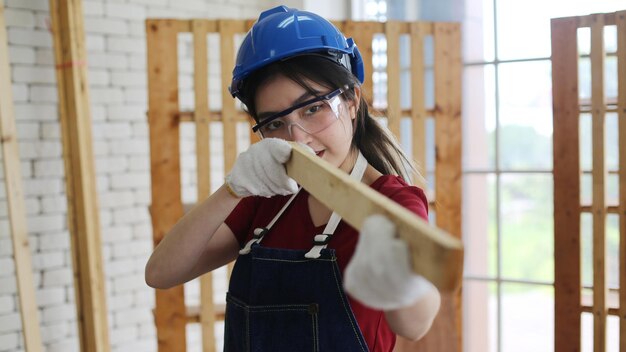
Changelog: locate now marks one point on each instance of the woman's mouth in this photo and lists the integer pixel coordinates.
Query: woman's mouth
(320, 153)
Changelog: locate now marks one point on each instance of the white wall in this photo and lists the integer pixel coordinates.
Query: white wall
(117, 75)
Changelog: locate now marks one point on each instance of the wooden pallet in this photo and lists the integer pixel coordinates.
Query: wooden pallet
(569, 302)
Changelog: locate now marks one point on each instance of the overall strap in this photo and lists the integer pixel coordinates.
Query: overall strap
(321, 241)
(260, 232)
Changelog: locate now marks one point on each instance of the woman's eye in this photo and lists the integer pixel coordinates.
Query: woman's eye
(274, 125)
(314, 108)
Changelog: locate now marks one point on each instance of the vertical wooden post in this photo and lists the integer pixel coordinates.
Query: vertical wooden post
(620, 20)
(202, 118)
(448, 168)
(363, 35)
(394, 110)
(418, 106)
(566, 188)
(15, 200)
(84, 223)
(167, 207)
(446, 332)
(600, 310)
(228, 29)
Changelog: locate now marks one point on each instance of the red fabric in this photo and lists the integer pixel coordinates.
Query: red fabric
(295, 230)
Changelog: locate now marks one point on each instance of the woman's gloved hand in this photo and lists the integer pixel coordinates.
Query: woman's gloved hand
(260, 170)
(379, 274)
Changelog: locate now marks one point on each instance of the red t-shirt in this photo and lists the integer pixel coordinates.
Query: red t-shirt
(253, 212)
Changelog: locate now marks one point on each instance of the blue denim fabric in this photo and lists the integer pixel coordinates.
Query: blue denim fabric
(278, 300)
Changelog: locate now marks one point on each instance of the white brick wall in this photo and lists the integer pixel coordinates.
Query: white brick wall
(116, 47)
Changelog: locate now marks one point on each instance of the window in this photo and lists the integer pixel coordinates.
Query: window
(508, 219)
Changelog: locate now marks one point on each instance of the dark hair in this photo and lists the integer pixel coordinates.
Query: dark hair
(375, 142)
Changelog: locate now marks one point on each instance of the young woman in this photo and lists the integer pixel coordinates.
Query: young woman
(299, 79)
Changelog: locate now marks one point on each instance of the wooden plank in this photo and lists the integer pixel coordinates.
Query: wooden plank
(227, 30)
(15, 200)
(620, 19)
(435, 254)
(167, 207)
(418, 111)
(363, 35)
(193, 313)
(609, 209)
(242, 116)
(83, 215)
(587, 21)
(392, 33)
(566, 185)
(446, 333)
(598, 185)
(201, 118)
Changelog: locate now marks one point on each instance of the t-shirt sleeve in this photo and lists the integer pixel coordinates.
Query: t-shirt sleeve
(240, 219)
(410, 197)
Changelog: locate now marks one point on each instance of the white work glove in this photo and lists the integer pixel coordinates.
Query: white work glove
(260, 170)
(379, 274)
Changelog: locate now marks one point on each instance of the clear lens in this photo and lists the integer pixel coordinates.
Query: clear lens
(312, 119)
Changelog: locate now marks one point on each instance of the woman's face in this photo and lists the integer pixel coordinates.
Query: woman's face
(333, 142)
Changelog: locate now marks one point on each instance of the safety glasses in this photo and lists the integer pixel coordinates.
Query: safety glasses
(311, 116)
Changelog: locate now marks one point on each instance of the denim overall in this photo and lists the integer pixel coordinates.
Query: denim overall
(283, 300)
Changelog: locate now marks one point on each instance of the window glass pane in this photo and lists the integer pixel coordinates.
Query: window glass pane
(480, 309)
(524, 26)
(527, 318)
(478, 38)
(479, 225)
(527, 227)
(479, 118)
(525, 116)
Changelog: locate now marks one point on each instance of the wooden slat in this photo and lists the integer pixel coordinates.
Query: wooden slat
(587, 21)
(566, 188)
(392, 33)
(435, 254)
(620, 19)
(15, 200)
(418, 112)
(167, 207)
(193, 313)
(363, 35)
(598, 176)
(448, 172)
(241, 116)
(609, 209)
(201, 119)
(227, 30)
(84, 223)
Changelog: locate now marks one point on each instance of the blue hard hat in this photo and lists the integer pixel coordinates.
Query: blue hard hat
(281, 33)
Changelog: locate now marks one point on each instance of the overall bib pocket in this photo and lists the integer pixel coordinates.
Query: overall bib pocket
(280, 327)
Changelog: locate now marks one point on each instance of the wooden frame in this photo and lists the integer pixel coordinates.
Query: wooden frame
(165, 117)
(569, 303)
(15, 200)
(83, 216)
